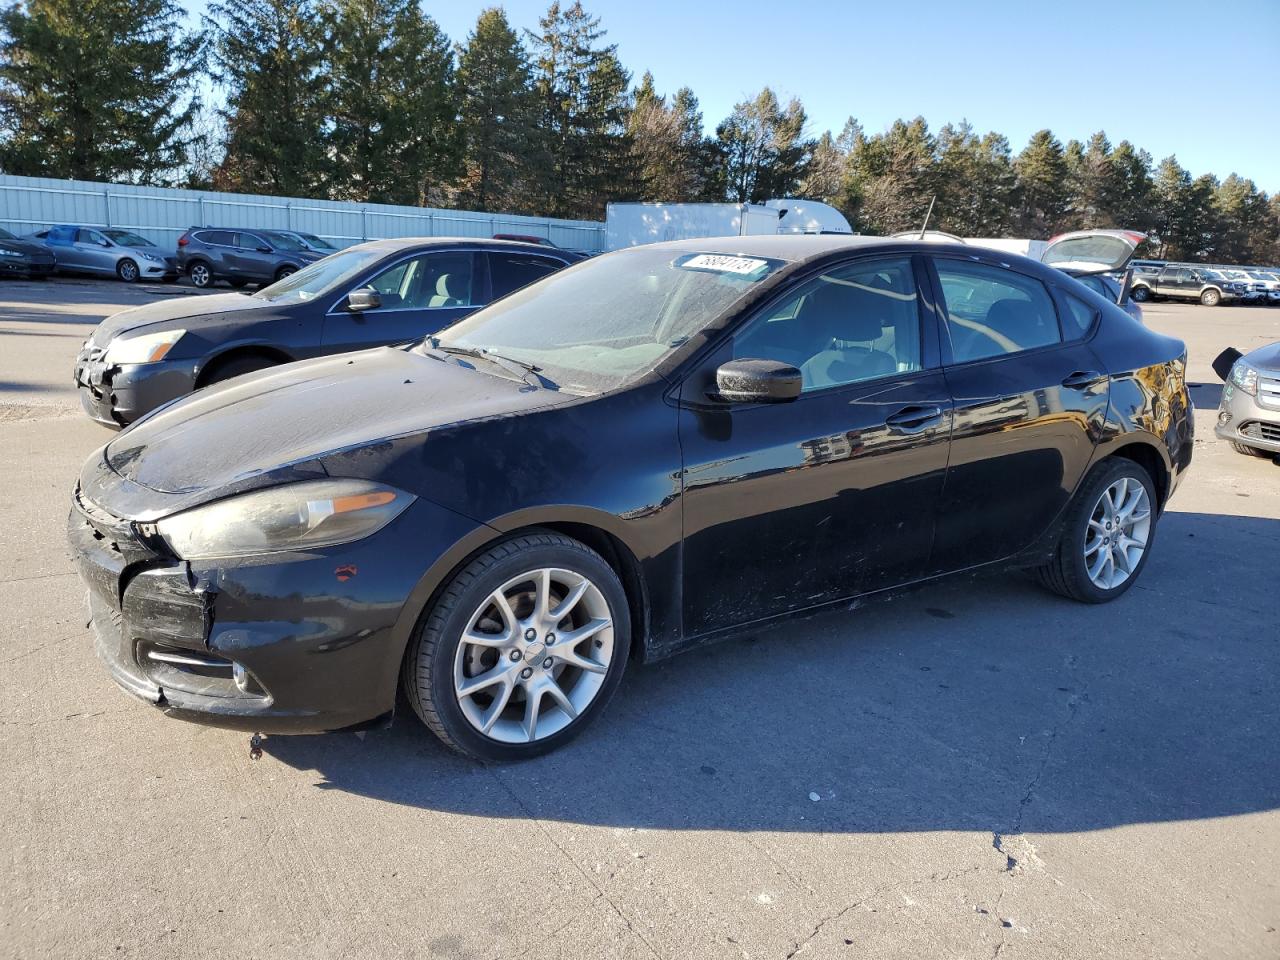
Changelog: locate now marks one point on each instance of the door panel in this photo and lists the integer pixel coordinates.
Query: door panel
(420, 295)
(1026, 420)
(795, 504)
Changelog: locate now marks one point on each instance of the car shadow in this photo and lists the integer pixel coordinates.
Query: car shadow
(977, 703)
(1205, 396)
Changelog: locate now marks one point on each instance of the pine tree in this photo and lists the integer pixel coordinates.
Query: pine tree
(1185, 218)
(1248, 227)
(1130, 188)
(764, 148)
(976, 183)
(96, 89)
(498, 121)
(894, 177)
(267, 54)
(394, 134)
(581, 89)
(1042, 187)
(666, 143)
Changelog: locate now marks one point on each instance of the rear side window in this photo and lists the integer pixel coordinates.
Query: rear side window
(511, 271)
(1080, 316)
(224, 237)
(992, 311)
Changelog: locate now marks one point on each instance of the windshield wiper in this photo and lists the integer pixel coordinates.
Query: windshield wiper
(521, 368)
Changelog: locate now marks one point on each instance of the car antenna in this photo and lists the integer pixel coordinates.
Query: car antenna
(928, 213)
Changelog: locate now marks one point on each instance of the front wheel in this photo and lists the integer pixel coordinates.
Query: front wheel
(285, 272)
(127, 271)
(1107, 535)
(1210, 298)
(522, 650)
(1140, 294)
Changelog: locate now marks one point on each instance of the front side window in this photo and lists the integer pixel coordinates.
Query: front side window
(511, 271)
(433, 280)
(991, 311)
(856, 322)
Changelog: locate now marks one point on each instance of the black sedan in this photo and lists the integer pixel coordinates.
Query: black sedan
(647, 451)
(375, 293)
(24, 258)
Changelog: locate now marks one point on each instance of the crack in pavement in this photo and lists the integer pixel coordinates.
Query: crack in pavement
(577, 866)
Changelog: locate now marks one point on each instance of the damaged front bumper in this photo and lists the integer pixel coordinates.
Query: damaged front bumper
(118, 394)
(248, 645)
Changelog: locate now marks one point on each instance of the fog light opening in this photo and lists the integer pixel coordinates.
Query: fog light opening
(1224, 417)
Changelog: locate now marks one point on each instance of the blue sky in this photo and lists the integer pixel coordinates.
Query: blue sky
(1197, 80)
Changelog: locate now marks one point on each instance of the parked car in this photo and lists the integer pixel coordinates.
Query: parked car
(1249, 412)
(650, 450)
(1108, 286)
(107, 251)
(1270, 281)
(1251, 290)
(375, 293)
(21, 257)
(313, 242)
(1187, 282)
(241, 257)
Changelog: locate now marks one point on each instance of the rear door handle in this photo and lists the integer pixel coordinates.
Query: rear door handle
(914, 418)
(1082, 378)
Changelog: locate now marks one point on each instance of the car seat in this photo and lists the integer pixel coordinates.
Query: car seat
(847, 319)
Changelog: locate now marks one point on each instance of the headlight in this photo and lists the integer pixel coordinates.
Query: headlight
(151, 256)
(148, 348)
(296, 516)
(1245, 377)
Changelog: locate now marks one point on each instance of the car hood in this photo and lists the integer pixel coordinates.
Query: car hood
(207, 309)
(266, 426)
(1265, 358)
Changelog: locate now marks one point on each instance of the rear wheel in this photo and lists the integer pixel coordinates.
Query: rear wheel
(127, 270)
(1107, 535)
(201, 274)
(1210, 297)
(522, 650)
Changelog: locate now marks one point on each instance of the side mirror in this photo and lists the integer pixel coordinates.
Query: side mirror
(366, 298)
(758, 381)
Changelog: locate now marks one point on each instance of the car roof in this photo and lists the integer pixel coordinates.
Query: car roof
(396, 244)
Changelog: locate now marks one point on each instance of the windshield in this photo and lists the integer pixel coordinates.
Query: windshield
(283, 241)
(127, 239)
(605, 321)
(321, 277)
(318, 242)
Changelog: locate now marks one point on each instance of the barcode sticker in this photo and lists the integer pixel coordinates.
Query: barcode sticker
(724, 264)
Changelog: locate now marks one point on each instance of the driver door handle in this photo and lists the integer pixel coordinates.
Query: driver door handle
(914, 418)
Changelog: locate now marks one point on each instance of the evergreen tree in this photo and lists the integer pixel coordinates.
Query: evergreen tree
(1185, 219)
(1042, 187)
(267, 54)
(763, 148)
(1248, 227)
(498, 121)
(976, 183)
(666, 143)
(894, 177)
(1090, 177)
(394, 135)
(581, 90)
(96, 89)
(1130, 188)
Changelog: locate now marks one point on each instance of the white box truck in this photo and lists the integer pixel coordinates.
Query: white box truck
(630, 224)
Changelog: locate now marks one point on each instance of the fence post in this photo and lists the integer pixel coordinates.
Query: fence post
(364, 229)
(288, 215)
(200, 211)
(106, 206)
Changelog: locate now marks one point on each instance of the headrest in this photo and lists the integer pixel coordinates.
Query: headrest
(446, 286)
(841, 311)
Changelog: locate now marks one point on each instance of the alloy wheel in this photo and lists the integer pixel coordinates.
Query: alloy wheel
(200, 275)
(534, 655)
(128, 271)
(1118, 533)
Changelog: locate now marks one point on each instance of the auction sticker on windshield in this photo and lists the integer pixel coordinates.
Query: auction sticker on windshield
(719, 263)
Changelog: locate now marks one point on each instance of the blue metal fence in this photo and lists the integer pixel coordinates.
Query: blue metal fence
(28, 204)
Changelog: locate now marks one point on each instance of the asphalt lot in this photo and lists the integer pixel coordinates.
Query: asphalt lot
(998, 771)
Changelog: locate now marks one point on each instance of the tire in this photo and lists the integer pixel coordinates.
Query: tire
(524, 659)
(1140, 294)
(1210, 297)
(127, 271)
(1068, 573)
(220, 371)
(285, 271)
(1249, 451)
(201, 274)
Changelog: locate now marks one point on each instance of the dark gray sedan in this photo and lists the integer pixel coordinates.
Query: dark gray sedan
(381, 292)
